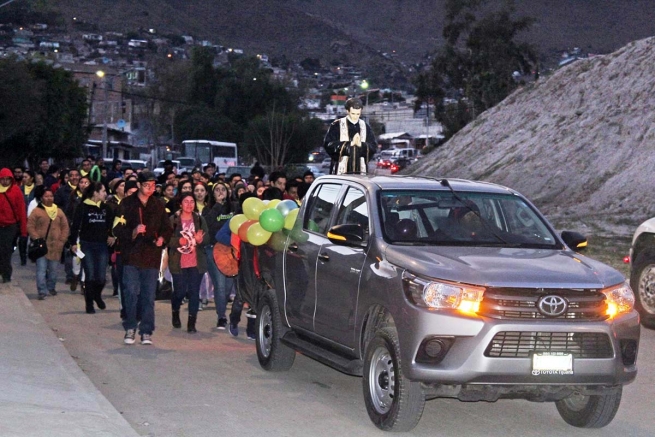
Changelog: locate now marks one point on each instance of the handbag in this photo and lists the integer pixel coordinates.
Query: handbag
(38, 247)
(225, 260)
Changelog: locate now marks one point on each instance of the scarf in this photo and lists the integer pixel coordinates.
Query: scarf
(51, 210)
(200, 206)
(27, 189)
(92, 203)
(4, 189)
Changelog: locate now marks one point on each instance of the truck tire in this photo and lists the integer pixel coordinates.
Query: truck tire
(591, 411)
(393, 402)
(642, 282)
(271, 353)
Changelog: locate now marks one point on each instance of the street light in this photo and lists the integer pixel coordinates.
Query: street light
(364, 86)
(101, 74)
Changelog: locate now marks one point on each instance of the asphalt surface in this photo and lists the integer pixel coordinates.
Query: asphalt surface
(210, 383)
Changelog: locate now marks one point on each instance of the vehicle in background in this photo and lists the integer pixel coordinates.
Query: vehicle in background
(222, 154)
(325, 165)
(134, 164)
(387, 157)
(399, 164)
(316, 157)
(642, 271)
(293, 170)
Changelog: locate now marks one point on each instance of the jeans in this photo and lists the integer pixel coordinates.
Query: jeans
(235, 316)
(7, 237)
(187, 283)
(140, 286)
(94, 263)
(222, 284)
(46, 274)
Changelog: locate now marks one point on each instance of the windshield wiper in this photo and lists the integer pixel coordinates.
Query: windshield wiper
(444, 182)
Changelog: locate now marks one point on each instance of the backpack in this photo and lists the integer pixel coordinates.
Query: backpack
(226, 260)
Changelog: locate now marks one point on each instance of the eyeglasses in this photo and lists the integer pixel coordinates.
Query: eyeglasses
(148, 185)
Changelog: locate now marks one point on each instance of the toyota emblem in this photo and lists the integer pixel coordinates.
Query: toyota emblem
(552, 305)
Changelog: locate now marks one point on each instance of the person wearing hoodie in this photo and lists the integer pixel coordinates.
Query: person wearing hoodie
(13, 220)
(92, 223)
(49, 222)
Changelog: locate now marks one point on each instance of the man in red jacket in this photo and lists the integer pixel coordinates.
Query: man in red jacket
(13, 219)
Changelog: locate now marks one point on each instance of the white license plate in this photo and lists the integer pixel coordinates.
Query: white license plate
(546, 363)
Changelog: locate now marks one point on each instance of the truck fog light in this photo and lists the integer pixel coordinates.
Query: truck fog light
(434, 349)
(628, 352)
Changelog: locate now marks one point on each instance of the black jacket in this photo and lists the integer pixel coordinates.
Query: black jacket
(91, 223)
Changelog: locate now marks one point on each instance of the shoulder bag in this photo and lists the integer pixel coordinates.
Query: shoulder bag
(38, 248)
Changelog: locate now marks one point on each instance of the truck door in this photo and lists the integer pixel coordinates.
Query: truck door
(301, 255)
(338, 272)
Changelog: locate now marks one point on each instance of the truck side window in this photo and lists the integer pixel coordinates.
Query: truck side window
(354, 209)
(320, 208)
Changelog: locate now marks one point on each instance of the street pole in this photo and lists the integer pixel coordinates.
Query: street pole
(105, 78)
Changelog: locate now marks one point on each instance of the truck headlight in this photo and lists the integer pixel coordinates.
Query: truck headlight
(620, 299)
(431, 293)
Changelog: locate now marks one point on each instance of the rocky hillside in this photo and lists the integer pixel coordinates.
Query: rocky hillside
(580, 143)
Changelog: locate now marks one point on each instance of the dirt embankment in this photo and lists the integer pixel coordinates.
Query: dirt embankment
(580, 143)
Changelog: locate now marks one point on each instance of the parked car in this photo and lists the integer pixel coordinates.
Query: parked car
(134, 164)
(642, 271)
(434, 288)
(160, 166)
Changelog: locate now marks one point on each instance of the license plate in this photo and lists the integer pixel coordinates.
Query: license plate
(552, 363)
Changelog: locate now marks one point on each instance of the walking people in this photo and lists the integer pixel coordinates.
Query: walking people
(13, 220)
(49, 222)
(92, 224)
(142, 227)
(186, 259)
(217, 216)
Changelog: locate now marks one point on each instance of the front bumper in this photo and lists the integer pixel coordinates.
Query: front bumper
(466, 362)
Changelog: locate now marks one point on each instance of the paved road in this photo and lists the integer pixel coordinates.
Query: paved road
(211, 384)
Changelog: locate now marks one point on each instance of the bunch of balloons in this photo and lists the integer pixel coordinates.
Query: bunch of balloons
(261, 219)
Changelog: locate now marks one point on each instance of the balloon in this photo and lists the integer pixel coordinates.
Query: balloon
(312, 226)
(272, 203)
(252, 207)
(290, 219)
(243, 230)
(299, 236)
(271, 220)
(277, 241)
(285, 206)
(237, 221)
(257, 235)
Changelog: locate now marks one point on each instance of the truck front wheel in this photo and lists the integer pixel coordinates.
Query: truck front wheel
(590, 411)
(393, 402)
(271, 353)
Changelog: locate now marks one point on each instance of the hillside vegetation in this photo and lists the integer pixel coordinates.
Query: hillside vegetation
(580, 143)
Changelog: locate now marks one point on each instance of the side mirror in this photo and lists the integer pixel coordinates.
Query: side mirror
(346, 235)
(575, 240)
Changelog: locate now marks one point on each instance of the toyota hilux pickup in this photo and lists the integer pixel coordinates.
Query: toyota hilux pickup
(443, 288)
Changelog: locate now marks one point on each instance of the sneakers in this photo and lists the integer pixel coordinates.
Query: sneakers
(41, 297)
(146, 339)
(129, 336)
(251, 314)
(73, 284)
(53, 292)
(251, 336)
(222, 324)
(205, 302)
(234, 330)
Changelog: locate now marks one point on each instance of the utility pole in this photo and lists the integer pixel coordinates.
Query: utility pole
(104, 76)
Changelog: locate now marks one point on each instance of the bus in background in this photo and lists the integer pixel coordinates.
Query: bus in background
(222, 154)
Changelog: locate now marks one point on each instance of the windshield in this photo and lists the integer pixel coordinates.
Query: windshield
(187, 162)
(468, 219)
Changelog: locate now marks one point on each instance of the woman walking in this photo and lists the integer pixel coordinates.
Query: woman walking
(92, 223)
(216, 217)
(186, 259)
(49, 222)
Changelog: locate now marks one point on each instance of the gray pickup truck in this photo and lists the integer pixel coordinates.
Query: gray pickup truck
(432, 288)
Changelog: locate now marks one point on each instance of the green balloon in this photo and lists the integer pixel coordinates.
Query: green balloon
(271, 220)
(277, 241)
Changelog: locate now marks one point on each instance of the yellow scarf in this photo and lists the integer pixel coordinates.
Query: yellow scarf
(92, 203)
(200, 206)
(4, 189)
(83, 173)
(28, 189)
(51, 210)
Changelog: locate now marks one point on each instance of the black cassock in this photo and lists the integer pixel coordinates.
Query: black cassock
(339, 147)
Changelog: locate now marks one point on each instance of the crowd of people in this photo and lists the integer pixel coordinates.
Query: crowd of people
(93, 218)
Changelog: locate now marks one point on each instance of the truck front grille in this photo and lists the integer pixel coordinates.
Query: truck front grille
(521, 303)
(516, 344)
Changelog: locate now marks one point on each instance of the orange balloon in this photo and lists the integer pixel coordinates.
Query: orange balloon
(243, 229)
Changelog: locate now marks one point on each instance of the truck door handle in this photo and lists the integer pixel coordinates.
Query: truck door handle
(324, 257)
(293, 247)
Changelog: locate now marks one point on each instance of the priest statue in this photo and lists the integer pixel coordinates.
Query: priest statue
(350, 141)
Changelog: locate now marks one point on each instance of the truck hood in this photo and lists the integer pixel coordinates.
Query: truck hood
(504, 267)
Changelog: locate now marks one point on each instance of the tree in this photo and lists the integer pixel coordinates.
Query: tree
(43, 112)
(474, 68)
